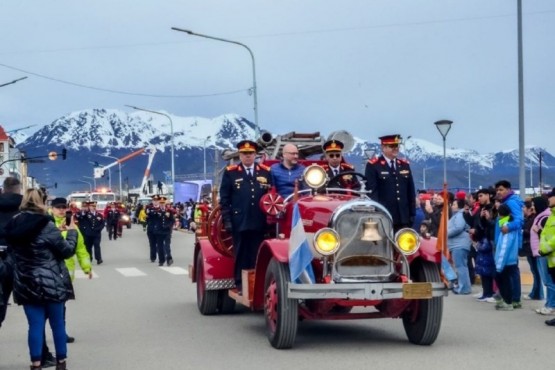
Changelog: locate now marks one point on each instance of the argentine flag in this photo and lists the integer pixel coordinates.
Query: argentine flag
(300, 255)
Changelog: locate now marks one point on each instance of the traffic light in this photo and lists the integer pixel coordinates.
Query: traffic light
(64, 154)
(55, 185)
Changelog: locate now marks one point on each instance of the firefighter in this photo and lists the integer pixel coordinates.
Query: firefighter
(91, 224)
(389, 181)
(241, 188)
(333, 152)
(153, 213)
(112, 216)
(164, 233)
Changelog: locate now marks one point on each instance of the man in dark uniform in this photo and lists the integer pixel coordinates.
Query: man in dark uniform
(163, 232)
(112, 215)
(91, 224)
(335, 165)
(153, 213)
(389, 181)
(241, 188)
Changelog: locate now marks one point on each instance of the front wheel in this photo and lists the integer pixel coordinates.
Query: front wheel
(423, 320)
(281, 313)
(207, 300)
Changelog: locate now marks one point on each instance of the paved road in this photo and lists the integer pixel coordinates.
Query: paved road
(136, 315)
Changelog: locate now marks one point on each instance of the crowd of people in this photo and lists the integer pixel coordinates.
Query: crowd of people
(488, 232)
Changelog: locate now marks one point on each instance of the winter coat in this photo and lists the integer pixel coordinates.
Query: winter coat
(39, 250)
(506, 246)
(547, 240)
(457, 232)
(540, 222)
(485, 264)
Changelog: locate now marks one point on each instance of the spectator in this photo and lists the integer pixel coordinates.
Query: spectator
(41, 280)
(506, 259)
(543, 211)
(526, 251)
(458, 241)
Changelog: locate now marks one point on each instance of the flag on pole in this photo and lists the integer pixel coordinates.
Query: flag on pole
(300, 255)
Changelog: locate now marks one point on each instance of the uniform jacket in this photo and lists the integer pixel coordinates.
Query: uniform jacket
(159, 219)
(40, 274)
(83, 257)
(240, 197)
(394, 189)
(90, 224)
(547, 240)
(343, 182)
(112, 216)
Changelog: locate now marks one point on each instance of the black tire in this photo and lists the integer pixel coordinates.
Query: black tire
(207, 300)
(226, 304)
(422, 327)
(281, 313)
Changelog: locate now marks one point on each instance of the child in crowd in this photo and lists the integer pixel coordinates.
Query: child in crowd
(506, 258)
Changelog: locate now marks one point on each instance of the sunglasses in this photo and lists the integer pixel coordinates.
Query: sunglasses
(334, 155)
(392, 146)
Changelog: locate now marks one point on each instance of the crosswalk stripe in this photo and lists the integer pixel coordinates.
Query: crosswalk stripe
(175, 270)
(130, 271)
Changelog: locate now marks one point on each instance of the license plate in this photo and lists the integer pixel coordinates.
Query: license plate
(417, 290)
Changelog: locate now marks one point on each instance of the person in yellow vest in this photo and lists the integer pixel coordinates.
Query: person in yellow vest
(142, 217)
(59, 213)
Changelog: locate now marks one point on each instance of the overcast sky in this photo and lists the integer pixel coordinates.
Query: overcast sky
(372, 67)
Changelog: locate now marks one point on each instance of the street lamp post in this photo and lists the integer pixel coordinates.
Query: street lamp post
(119, 168)
(172, 138)
(204, 152)
(443, 127)
(94, 180)
(254, 88)
(86, 182)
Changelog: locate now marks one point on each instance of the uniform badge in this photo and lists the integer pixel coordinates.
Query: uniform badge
(262, 180)
(404, 172)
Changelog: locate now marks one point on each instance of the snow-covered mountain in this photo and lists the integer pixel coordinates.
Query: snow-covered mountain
(96, 135)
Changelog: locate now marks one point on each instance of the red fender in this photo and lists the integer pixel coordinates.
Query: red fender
(216, 265)
(427, 251)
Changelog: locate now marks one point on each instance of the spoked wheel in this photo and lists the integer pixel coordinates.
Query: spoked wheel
(207, 300)
(423, 321)
(226, 304)
(220, 239)
(281, 313)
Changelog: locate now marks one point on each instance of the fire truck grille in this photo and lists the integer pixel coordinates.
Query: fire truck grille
(366, 254)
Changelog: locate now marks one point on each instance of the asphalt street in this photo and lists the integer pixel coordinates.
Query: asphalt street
(136, 315)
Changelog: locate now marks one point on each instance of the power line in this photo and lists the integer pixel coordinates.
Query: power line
(122, 92)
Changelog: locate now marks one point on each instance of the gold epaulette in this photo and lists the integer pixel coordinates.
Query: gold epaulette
(373, 160)
(264, 167)
(404, 161)
(231, 167)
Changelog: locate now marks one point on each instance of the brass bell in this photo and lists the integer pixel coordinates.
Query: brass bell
(371, 233)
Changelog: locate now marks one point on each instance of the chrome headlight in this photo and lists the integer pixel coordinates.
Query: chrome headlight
(125, 218)
(314, 176)
(326, 241)
(408, 241)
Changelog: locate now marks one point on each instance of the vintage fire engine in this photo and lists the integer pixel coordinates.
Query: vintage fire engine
(361, 268)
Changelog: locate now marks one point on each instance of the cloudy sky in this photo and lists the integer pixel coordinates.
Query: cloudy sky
(372, 67)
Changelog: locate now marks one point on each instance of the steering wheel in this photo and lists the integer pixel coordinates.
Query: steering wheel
(355, 182)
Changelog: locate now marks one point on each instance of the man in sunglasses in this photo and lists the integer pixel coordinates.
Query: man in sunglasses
(389, 181)
(336, 165)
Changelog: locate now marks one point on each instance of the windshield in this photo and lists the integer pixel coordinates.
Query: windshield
(103, 197)
(78, 199)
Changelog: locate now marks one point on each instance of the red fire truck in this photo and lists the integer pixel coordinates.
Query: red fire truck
(357, 259)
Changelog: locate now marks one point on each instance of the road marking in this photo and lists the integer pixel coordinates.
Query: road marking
(175, 270)
(130, 271)
(79, 274)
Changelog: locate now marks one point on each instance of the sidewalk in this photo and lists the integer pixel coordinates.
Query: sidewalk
(525, 274)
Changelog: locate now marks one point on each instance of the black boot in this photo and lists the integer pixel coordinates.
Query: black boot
(61, 365)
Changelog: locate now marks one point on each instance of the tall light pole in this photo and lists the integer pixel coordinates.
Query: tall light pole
(469, 181)
(204, 151)
(93, 179)
(119, 168)
(521, 150)
(86, 182)
(172, 138)
(443, 127)
(254, 89)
